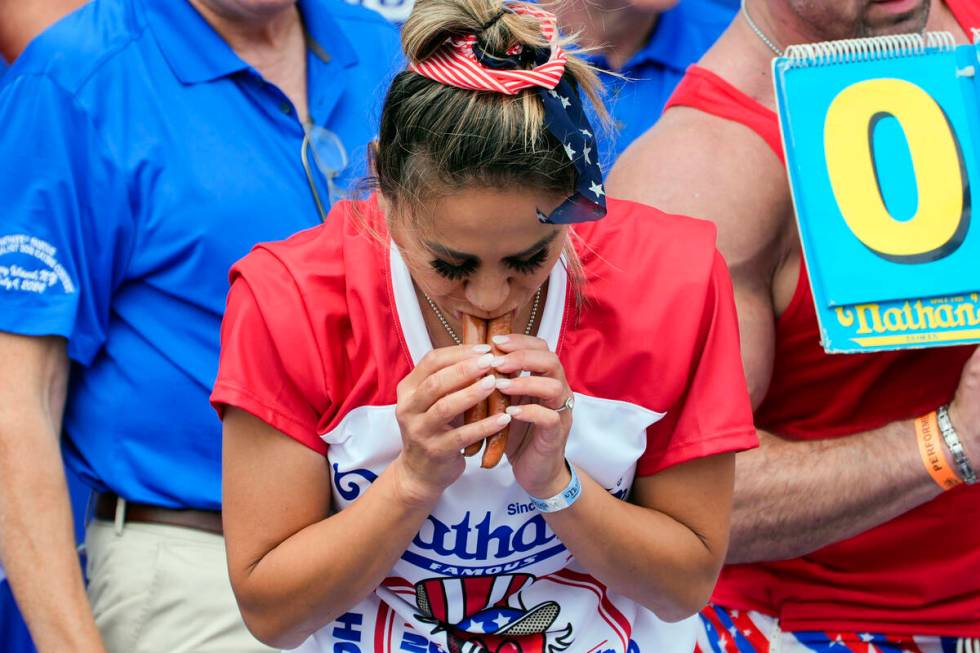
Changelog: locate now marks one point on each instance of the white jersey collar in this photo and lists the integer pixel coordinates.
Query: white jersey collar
(412, 325)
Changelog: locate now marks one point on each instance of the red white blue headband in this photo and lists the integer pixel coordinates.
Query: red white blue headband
(463, 63)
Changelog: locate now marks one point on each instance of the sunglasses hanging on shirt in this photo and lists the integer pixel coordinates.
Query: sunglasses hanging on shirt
(329, 157)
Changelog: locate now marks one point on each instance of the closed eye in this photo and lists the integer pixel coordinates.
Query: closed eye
(453, 271)
(529, 264)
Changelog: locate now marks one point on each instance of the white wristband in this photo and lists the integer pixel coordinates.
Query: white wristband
(563, 499)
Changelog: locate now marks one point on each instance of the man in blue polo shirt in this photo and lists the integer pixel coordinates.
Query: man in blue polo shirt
(650, 43)
(147, 145)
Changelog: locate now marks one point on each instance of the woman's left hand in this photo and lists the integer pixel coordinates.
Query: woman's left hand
(538, 458)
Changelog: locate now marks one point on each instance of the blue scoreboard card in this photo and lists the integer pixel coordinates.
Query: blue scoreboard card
(881, 138)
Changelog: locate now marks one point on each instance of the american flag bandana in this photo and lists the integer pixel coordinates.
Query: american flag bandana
(462, 63)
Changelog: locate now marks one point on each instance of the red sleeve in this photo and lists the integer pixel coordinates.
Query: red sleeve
(714, 413)
(268, 351)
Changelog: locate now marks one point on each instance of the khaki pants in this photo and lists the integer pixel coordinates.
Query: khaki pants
(163, 589)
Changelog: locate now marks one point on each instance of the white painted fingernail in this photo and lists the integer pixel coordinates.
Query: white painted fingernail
(503, 382)
(504, 419)
(485, 360)
(514, 410)
(488, 382)
(497, 360)
(481, 349)
(500, 340)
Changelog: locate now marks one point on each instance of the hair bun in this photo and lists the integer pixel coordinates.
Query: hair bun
(436, 138)
(490, 23)
(433, 21)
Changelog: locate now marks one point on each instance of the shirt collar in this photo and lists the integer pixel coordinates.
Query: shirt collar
(665, 46)
(197, 53)
(324, 34)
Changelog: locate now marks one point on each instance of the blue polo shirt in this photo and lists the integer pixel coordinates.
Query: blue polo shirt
(141, 158)
(680, 37)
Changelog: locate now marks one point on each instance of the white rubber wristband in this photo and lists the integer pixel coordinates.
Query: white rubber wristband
(563, 499)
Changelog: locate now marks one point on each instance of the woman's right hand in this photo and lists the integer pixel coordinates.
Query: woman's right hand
(444, 384)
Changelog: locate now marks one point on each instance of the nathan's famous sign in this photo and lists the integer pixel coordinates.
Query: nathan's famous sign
(922, 322)
(881, 139)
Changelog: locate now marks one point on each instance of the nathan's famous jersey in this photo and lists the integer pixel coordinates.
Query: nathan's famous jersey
(321, 328)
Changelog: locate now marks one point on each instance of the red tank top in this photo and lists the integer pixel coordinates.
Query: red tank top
(919, 573)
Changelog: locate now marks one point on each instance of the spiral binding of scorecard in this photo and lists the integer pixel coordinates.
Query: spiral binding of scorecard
(869, 49)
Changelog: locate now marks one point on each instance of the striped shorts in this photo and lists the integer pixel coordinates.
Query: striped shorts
(731, 631)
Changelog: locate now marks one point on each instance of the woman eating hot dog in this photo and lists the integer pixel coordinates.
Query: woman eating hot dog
(353, 519)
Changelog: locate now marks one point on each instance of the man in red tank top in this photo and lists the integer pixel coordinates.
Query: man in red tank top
(841, 539)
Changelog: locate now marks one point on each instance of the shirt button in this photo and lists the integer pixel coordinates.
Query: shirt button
(285, 107)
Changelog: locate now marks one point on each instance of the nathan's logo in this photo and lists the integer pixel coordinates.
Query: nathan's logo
(481, 541)
(350, 483)
(507, 548)
(942, 319)
(912, 316)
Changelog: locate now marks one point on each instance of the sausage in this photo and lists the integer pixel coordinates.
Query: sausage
(497, 402)
(474, 333)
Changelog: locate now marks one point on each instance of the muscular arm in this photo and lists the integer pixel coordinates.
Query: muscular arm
(295, 567)
(37, 541)
(666, 548)
(699, 170)
(791, 497)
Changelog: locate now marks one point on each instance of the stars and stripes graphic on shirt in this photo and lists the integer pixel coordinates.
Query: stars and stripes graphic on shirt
(453, 600)
(733, 631)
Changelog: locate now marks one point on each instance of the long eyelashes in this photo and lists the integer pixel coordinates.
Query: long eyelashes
(457, 271)
(530, 264)
(451, 271)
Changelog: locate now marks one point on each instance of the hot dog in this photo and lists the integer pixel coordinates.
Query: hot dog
(474, 333)
(497, 402)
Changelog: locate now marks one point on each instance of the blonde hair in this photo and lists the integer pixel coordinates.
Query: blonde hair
(435, 139)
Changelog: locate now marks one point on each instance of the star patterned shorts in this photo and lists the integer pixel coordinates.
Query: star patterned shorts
(731, 631)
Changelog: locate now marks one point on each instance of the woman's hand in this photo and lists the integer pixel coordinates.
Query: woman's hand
(444, 384)
(538, 458)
